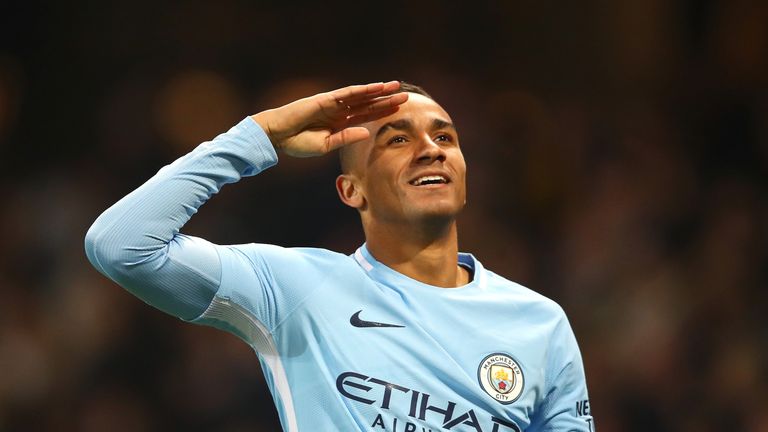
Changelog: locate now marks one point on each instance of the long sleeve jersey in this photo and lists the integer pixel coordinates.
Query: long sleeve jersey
(345, 342)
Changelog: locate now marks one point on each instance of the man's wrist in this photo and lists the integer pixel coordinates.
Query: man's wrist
(266, 119)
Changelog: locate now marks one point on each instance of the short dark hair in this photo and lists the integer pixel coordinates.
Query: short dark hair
(405, 87)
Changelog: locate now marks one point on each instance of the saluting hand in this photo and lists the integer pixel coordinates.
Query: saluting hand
(321, 123)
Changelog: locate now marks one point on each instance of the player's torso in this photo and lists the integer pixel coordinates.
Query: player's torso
(406, 358)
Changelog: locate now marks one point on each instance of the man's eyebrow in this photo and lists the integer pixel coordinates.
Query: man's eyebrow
(442, 124)
(402, 124)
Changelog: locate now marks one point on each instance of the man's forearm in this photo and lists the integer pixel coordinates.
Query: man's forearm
(136, 242)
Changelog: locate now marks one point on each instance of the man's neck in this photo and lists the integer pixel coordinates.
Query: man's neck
(427, 256)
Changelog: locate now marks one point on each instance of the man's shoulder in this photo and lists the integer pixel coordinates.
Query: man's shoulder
(272, 255)
(521, 294)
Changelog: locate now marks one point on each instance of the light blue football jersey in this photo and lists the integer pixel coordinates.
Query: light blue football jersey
(345, 342)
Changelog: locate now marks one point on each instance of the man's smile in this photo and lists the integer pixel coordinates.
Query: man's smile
(435, 178)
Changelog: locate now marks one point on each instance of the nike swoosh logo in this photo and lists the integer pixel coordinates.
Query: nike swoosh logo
(357, 322)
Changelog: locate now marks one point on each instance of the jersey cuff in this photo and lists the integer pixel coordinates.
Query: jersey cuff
(263, 154)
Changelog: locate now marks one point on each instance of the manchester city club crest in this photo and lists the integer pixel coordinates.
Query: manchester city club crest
(501, 377)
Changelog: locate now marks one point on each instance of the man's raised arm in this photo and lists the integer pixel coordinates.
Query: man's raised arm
(137, 243)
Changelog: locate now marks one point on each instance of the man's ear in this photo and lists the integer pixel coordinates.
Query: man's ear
(349, 191)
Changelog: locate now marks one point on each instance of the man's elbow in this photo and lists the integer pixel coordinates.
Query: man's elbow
(99, 250)
(108, 249)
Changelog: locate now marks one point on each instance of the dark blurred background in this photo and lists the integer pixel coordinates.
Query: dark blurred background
(617, 156)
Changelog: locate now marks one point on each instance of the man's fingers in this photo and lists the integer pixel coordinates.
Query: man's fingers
(346, 136)
(352, 133)
(378, 90)
(382, 103)
(348, 100)
(356, 93)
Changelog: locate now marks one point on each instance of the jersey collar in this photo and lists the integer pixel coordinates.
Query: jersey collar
(382, 273)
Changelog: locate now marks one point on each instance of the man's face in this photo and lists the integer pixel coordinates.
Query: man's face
(411, 169)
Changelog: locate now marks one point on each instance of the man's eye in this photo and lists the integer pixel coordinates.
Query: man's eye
(396, 140)
(444, 137)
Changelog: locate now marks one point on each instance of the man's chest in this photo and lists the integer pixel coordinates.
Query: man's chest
(433, 363)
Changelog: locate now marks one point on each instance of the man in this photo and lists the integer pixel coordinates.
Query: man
(406, 334)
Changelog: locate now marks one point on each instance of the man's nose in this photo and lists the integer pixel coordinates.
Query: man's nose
(429, 151)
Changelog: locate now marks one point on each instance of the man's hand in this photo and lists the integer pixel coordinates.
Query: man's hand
(324, 122)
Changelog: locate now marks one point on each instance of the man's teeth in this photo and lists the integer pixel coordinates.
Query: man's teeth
(429, 180)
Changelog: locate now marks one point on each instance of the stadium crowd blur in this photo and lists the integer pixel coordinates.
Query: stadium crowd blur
(617, 158)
